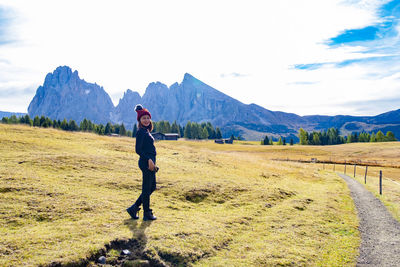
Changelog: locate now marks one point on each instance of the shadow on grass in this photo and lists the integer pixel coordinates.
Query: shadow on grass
(138, 228)
(114, 250)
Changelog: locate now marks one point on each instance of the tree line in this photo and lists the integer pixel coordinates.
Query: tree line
(191, 130)
(281, 141)
(333, 137)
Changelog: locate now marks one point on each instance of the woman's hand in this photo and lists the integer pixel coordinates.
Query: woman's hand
(151, 165)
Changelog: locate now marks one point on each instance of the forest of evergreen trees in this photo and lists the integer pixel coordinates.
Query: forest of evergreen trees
(332, 137)
(191, 130)
(281, 142)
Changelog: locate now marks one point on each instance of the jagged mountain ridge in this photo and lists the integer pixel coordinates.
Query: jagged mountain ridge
(65, 95)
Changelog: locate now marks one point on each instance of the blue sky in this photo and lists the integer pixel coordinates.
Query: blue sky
(302, 56)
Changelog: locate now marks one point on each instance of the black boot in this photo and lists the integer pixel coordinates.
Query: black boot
(148, 216)
(133, 210)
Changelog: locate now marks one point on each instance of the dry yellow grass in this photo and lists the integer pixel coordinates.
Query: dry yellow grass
(63, 197)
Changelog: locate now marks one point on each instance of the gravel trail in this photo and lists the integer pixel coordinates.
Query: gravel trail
(380, 232)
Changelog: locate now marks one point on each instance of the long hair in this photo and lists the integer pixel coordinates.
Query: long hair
(150, 127)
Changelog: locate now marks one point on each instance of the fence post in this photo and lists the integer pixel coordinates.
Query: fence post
(380, 182)
(365, 178)
(345, 165)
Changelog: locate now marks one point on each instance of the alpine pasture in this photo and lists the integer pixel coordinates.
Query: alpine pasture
(64, 195)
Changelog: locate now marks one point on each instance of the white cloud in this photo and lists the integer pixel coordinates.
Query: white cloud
(128, 44)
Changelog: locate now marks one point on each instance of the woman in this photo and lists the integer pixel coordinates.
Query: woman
(146, 150)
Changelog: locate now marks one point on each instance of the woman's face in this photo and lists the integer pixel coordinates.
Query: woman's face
(145, 120)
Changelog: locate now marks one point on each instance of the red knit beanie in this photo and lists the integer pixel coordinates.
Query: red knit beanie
(141, 111)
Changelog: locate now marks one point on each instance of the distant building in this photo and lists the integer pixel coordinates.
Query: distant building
(114, 135)
(171, 136)
(223, 141)
(167, 136)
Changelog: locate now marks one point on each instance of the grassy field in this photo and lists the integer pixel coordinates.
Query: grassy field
(383, 157)
(64, 195)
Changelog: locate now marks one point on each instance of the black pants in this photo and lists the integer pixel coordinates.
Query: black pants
(148, 186)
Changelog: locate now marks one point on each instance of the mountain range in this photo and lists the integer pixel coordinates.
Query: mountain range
(65, 95)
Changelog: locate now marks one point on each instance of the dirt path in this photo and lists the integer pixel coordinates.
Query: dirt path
(380, 232)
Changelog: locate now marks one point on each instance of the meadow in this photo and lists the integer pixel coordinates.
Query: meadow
(64, 195)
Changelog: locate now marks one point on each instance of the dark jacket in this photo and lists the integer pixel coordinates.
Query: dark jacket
(145, 145)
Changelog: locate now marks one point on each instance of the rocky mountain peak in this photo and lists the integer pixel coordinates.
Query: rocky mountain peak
(61, 75)
(155, 89)
(190, 80)
(65, 95)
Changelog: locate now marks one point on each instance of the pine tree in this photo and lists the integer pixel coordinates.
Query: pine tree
(13, 119)
(380, 137)
(73, 126)
(156, 127)
(355, 138)
(181, 131)
(4, 120)
(373, 137)
(167, 127)
(28, 120)
(265, 141)
(122, 130)
(42, 120)
(204, 133)
(36, 121)
(350, 138)
(64, 125)
(108, 129)
(210, 130)
(160, 127)
(188, 130)
(363, 137)
(115, 128)
(390, 136)
(175, 128)
(291, 141)
(284, 141)
(100, 129)
(49, 122)
(196, 130)
(303, 137)
(218, 133)
(84, 126)
(316, 139)
(280, 141)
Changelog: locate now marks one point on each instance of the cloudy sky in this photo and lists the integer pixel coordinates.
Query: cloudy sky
(301, 56)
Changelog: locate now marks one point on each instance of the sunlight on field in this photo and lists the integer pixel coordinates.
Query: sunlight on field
(64, 197)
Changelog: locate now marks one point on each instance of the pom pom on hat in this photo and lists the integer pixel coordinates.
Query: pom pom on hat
(141, 111)
(138, 107)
